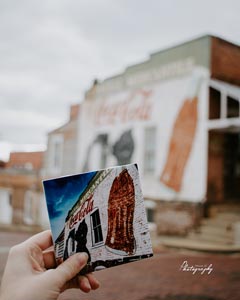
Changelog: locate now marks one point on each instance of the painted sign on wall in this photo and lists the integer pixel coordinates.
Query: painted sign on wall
(173, 113)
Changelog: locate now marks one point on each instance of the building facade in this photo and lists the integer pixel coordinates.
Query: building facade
(177, 115)
(61, 154)
(22, 205)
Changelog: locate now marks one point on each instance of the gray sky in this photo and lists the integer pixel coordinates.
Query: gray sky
(51, 51)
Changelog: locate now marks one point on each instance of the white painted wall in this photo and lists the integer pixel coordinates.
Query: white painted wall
(164, 104)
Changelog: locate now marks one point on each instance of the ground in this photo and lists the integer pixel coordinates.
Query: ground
(158, 278)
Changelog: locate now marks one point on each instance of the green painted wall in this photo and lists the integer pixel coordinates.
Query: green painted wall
(172, 62)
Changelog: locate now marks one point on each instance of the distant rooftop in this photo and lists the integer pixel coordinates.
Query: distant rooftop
(176, 60)
(26, 160)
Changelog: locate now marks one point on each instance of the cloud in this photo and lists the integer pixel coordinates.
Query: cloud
(52, 50)
(61, 194)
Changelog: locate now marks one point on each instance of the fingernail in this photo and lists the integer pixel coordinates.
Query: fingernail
(88, 286)
(85, 254)
(96, 285)
(81, 256)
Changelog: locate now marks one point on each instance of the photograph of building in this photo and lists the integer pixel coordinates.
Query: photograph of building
(101, 213)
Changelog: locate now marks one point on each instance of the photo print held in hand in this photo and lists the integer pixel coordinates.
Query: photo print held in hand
(101, 213)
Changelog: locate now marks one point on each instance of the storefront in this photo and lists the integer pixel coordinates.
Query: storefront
(159, 114)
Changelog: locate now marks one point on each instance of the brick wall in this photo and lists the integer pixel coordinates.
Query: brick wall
(225, 61)
(24, 159)
(177, 218)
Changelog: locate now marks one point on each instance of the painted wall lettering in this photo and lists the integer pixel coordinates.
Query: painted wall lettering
(85, 209)
(137, 106)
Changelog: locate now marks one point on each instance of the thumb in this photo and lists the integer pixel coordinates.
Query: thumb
(69, 268)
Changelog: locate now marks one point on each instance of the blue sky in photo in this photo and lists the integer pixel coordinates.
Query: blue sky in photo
(61, 194)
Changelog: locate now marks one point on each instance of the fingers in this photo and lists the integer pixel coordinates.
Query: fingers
(86, 283)
(42, 240)
(49, 259)
(94, 283)
(69, 269)
(66, 274)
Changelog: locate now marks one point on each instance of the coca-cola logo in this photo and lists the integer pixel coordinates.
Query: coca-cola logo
(84, 210)
(137, 106)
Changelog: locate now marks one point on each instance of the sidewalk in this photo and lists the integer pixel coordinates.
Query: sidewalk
(219, 233)
(181, 243)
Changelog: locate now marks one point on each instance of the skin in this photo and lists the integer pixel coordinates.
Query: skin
(31, 271)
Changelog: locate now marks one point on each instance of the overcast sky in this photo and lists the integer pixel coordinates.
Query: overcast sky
(51, 51)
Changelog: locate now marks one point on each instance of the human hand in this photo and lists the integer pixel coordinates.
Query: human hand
(31, 271)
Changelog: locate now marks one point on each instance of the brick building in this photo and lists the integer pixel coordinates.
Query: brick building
(21, 199)
(177, 115)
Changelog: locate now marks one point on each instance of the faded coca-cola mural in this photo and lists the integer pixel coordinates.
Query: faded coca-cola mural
(182, 139)
(160, 125)
(122, 150)
(121, 205)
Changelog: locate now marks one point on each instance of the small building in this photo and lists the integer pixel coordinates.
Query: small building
(176, 114)
(60, 157)
(21, 198)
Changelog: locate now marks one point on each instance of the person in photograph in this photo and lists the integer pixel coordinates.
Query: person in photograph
(81, 238)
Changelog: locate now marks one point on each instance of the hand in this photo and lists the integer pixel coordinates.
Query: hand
(31, 272)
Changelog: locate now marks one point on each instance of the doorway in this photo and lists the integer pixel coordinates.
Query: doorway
(223, 182)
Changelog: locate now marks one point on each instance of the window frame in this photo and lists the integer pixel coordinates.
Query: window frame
(98, 226)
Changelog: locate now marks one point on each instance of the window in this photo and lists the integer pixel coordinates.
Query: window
(150, 214)
(5, 206)
(28, 208)
(150, 210)
(102, 139)
(232, 108)
(59, 249)
(224, 102)
(59, 244)
(150, 150)
(56, 153)
(214, 104)
(97, 237)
